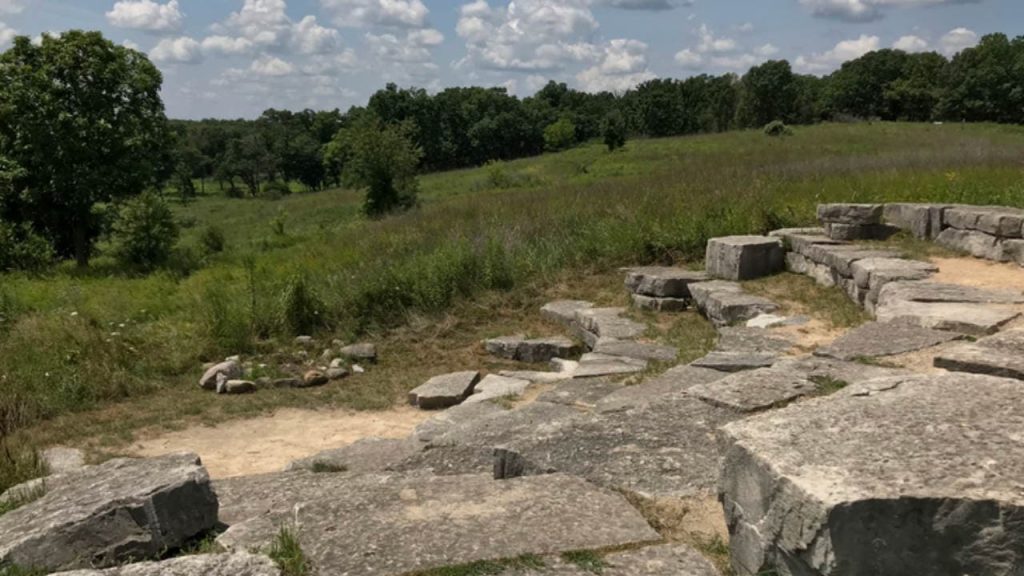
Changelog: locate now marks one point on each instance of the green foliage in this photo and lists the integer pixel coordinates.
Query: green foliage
(213, 239)
(275, 190)
(488, 567)
(302, 310)
(18, 464)
(144, 233)
(585, 560)
(828, 385)
(286, 552)
(95, 135)
(15, 570)
(559, 135)
(384, 160)
(768, 92)
(777, 129)
(321, 467)
(613, 129)
(22, 249)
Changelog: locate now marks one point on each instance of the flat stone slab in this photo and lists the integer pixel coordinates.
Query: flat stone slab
(532, 351)
(585, 392)
(754, 390)
(872, 272)
(455, 418)
(744, 339)
(725, 303)
(736, 361)
(663, 449)
(768, 321)
(409, 523)
(660, 560)
(638, 350)
(238, 564)
(800, 264)
(999, 355)
(444, 390)
(965, 318)
(363, 456)
(662, 282)
(744, 257)
(907, 475)
(121, 510)
(850, 213)
(609, 323)
(998, 221)
(493, 387)
(876, 339)
(498, 428)
(672, 383)
(816, 368)
(940, 292)
(594, 365)
(564, 311)
(659, 304)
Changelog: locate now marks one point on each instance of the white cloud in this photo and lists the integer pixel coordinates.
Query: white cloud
(842, 52)
(146, 15)
(359, 13)
(11, 6)
(868, 10)
(957, 39)
(262, 22)
(911, 43)
(645, 4)
(746, 27)
(308, 37)
(414, 47)
(182, 50)
(623, 66)
(271, 66)
(332, 64)
(709, 43)
(129, 45)
(689, 59)
(228, 45)
(7, 34)
(767, 50)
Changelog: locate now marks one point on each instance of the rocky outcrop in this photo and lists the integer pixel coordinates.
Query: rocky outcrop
(238, 564)
(363, 456)
(906, 475)
(118, 511)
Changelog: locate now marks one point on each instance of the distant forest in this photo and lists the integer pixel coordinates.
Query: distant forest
(460, 127)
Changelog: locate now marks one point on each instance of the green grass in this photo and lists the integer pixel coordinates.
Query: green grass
(286, 552)
(487, 567)
(93, 356)
(321, 467)
(585, 560)
(828, 385)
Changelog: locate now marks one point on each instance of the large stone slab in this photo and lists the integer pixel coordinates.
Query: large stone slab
(455, 417)
(639, 350)
(755, 390)
(820, 273)
(584, 393)
(744, 257)
(238, 564)
(671, 383)
(860, 214)
(725, 303)
(1013, 251)
(388, 525)
(966, 318)
(444, 390)
(533, 350)
(840, 258)
(609, 323)
(841, 372)
(876, 339)
(873, 272)
(736, 361)
(364, 455)
(661, 560)
(997, 221)
(923, 221)
(121, 510)
(493, 387)
(910, 475)
(846, 232)
(999, 355)
(662, 282)
(940, 292)
(564, 311)
(977, 244)
(745, 339)
(659, 304)
(594, 365)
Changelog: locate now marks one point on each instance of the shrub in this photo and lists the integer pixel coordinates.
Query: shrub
(22, 249)
(613, 128)
(302, 311)
(560, 135)
(144, 233)
(384, 160)
(777, 129)
(275, 190)
(184, 260)
(213, 240)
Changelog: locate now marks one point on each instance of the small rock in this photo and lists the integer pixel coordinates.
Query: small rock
(336, 373)
(338, 363)
(287, 383)
(237, 358)
(314, 378)
(564, 311)
(357, 369)
(229, 369)
(304, 341)
(493, 387)
(363, 352)
(237, 387)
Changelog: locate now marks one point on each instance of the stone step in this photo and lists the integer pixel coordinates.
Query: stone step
(999, 355)
(444, 390)
(877, 339)
(725, 303)
(596, 323)
(532, 351)
(662, 282)
(754, 390)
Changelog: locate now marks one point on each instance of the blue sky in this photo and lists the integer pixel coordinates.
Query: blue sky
(235, 58)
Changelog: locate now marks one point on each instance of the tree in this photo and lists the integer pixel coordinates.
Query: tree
(560, 135)
(84, 119)
(383, 159)
(767, 92)
(144, 233)
(614, 130)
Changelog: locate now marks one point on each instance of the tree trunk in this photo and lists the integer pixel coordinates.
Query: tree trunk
(80, 233)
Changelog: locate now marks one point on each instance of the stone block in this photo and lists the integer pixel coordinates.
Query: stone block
(847, 232)
(744, 257)
(444, 390)
(922, 221)
(493, 387)
(662, 282)
(999, 355)
(977, 244)
(996, 221)
(754, 390)
(858, 214)
(238, 564)
(736, 361)
(564, 311)
(660, 304)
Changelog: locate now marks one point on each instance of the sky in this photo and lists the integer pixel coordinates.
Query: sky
(236, 58)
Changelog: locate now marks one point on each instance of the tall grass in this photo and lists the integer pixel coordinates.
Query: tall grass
(72, 341)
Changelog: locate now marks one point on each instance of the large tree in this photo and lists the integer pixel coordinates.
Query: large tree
(84, 120)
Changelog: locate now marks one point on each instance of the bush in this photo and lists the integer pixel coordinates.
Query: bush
(777, 129)
(613, 128)
(184, 260)
(144, 233)
(560, 135)
(213, 240)
(384, 160)
(23, 249)
(275, 190)
(302, 311)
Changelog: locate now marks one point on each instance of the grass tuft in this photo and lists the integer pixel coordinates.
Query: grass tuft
(585, 560)
(322, 467)
(286, 552)
(828, 385)
(487, 567)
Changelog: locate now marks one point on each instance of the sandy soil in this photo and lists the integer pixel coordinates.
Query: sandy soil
(269, 443)
(810, 336)
(979, 273)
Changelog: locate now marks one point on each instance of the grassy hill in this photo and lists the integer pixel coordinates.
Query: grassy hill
(101, 354)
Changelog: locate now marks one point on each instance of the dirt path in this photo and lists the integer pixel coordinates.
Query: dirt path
(979, 273)
(269, 443)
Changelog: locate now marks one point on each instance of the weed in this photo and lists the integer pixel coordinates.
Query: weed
(323, 467)
(488, 567)
(828, 385)
(286, 552)
(19, 571)
(506, 402)
(302, 311)
(585, 560)
(203, 544)
(870, 361)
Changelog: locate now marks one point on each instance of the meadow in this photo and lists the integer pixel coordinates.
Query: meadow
(97, 355)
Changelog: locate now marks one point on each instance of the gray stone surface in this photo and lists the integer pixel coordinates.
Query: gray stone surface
(609, 323)
(662, 282)
(744, 339)
(940, 292)
(1013, 251)
(671, 383)
(660, 560)
(966, 318)
(923, 221)
(799, 264)
(911, 475)
(62, 460)
(493, 387)
(850, 213)
(754, 390)
(840, 258)
(736, 361)
(785, 232)
(659, 304)
(584, 392)
(846, 232)
(725, 303)
(663, 449)
(227, 370)
(444, 390)
(123, 509)
(362, 352)
(977, 244)
(801, 243)
(999, 355)
(531, 351)
(564, 311)
(594, 365)
(874, 272)
(362, 456)
(876, 339)
(816, 368)
(744, 257)
(238, 564)
(454, 418)
(640, 350)
(994, 220)
(409, 523)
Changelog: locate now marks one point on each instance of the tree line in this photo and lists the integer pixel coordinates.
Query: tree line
(83, 129)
